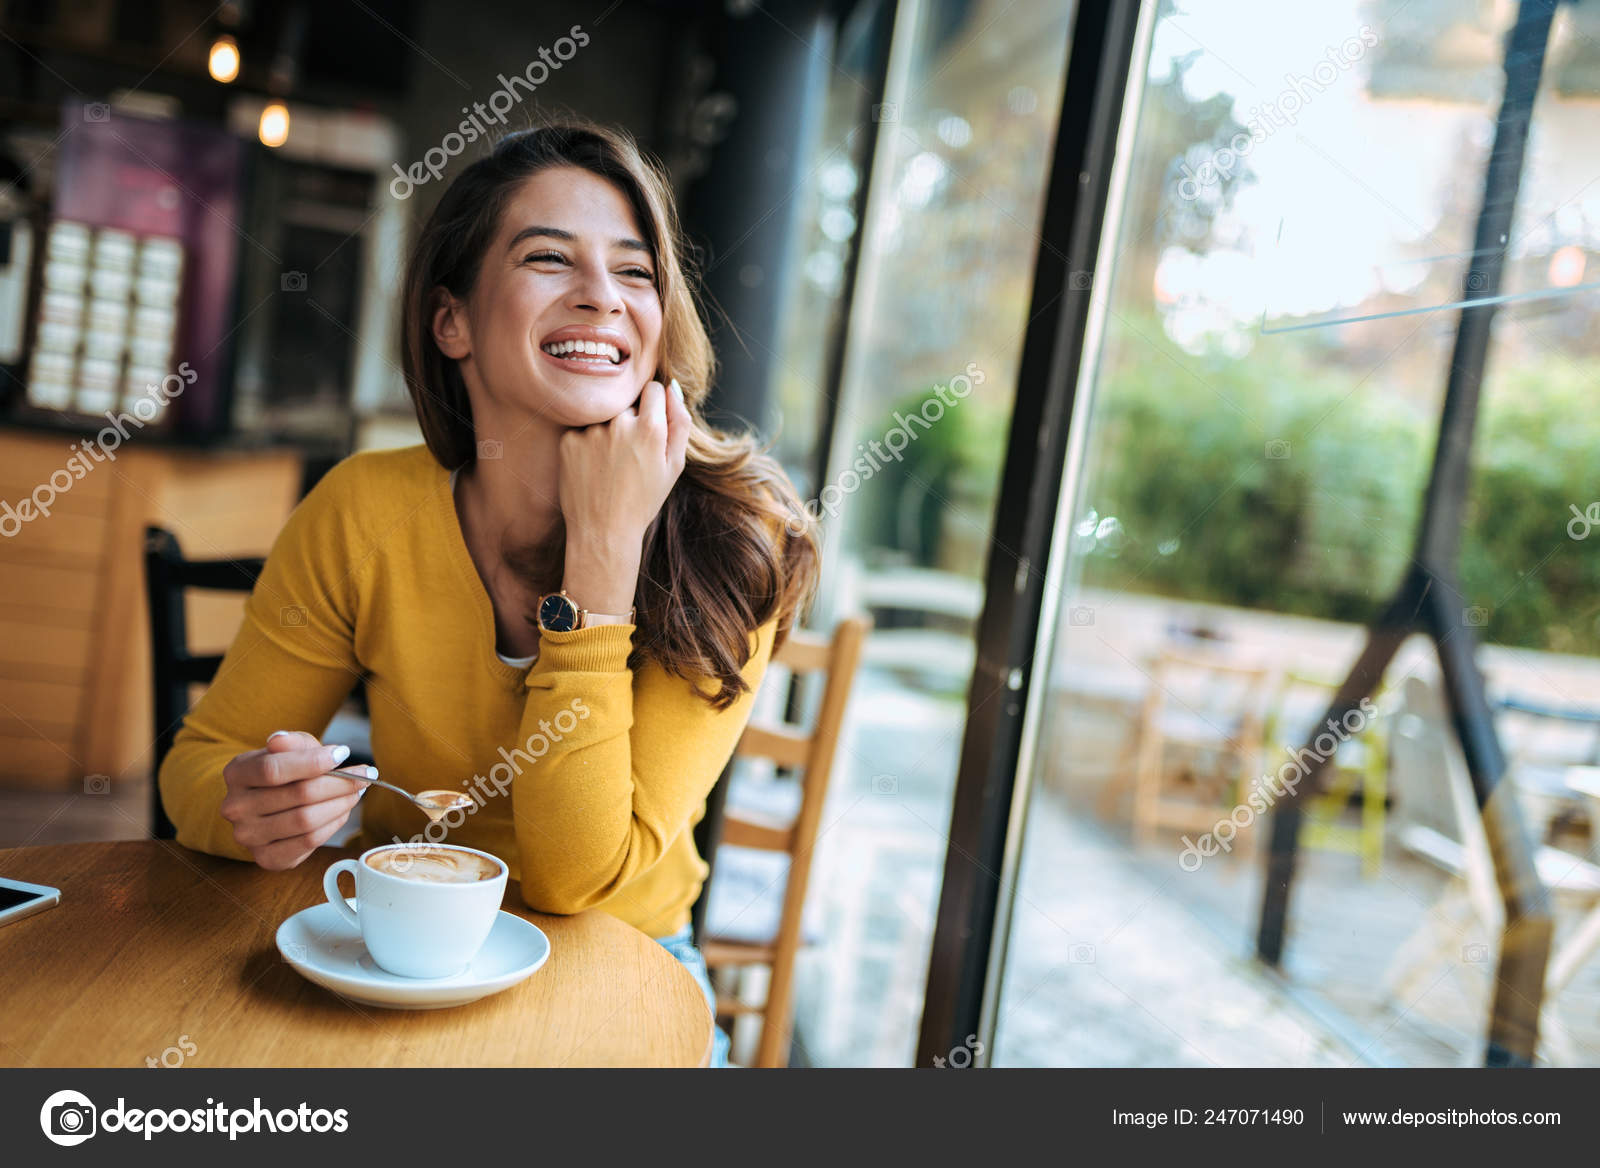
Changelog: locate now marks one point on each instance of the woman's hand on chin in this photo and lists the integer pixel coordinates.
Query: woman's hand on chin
(615, 476)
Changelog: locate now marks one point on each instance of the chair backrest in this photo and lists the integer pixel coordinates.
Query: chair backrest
(1534, 732)
(1228, 695)
(789, 748)
(1299, 701)
(1433, 791)
(168, 576)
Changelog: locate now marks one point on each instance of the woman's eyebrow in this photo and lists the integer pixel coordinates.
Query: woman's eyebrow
(625, 243)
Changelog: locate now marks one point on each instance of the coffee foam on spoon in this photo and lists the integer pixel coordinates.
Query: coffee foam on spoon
(437, 804)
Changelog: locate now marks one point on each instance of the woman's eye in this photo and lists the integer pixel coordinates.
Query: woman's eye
(545, 257)
(639, 272)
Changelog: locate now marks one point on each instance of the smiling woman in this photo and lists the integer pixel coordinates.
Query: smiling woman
(575, 582)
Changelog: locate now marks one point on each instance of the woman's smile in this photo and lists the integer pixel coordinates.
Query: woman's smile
(587, 350)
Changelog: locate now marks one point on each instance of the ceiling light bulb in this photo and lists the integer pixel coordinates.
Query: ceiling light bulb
(275, 124)
(224, 60)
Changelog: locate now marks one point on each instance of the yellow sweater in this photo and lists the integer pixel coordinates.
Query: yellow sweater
(587, 777)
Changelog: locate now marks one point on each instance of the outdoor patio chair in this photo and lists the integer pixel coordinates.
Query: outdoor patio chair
(1199, 743)
(1358, 771)
(1542, 741)
(1441, 824)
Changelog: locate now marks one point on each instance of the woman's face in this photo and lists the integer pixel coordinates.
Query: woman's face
(568, 270)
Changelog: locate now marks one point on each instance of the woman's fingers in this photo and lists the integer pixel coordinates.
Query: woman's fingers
(259, 801)
(282, 802)
(284, 740)
(276, 857)
(291, 764)
(261, 830)
(679, 423)
(653, 408)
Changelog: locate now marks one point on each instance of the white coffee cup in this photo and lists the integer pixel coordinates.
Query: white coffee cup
(417, 927)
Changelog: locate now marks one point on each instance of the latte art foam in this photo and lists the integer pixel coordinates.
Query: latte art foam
(434, 865)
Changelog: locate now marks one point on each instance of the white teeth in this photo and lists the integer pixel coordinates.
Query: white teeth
(587, 348)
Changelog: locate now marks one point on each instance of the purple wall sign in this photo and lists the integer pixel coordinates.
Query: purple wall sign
(178, 179)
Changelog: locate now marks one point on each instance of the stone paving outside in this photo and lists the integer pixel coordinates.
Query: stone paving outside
(1191, 945)
(1108, 968)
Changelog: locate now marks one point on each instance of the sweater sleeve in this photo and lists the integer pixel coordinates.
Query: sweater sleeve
(620, 764)
(291, 663)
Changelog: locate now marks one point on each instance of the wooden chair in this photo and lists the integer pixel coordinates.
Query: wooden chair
(1357, 773)
(811, 753)
(168, 578)
(1199, 743)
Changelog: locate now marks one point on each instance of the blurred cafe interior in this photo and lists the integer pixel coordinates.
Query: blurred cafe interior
(1175, 320)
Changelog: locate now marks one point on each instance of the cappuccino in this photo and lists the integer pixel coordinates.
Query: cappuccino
(434, 865)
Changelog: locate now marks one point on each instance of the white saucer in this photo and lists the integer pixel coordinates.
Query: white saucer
(328, 950)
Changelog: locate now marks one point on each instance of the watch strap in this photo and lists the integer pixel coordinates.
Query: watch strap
(581, 614)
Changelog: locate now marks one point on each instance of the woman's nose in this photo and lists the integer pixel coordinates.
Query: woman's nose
(597, 291)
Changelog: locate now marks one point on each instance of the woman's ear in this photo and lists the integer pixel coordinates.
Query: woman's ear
(450, 330)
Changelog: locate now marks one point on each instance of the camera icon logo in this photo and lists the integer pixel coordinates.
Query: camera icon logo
(1080, 281)
(1475, 616)
(1277, 448)
(887, 112)
(1080, 615)
(67, 1118)
(885, 785)
(96, 111)
(292, 282)
(292, 616)
(1477, 281)
(490, 448)
(1475, 953)
(96, 784)
(1080, 955)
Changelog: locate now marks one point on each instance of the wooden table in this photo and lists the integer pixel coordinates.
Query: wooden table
(159, 952)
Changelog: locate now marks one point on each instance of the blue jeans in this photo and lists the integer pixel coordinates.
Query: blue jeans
(681, 946)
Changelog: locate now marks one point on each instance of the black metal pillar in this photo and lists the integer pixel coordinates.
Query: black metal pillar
(1429, 601)
(754, 128)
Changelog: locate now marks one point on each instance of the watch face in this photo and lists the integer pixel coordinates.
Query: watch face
(557, 614)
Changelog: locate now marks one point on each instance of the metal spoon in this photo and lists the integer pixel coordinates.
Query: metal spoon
(434, 804)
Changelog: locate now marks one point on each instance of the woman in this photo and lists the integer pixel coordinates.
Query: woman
(562, 604)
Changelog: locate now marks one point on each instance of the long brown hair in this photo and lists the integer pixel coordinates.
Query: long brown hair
(732, 546)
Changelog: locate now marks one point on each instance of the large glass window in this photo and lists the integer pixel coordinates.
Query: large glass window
(1298, 223)
(940, 301)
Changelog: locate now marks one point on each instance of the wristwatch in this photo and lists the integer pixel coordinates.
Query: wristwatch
(558, 613)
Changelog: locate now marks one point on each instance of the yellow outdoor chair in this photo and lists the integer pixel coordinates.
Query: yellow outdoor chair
(1359, 768)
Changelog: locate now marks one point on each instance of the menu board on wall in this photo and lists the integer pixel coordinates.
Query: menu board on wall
(139, 268)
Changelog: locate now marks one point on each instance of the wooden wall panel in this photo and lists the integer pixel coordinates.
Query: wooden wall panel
(74, 639)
